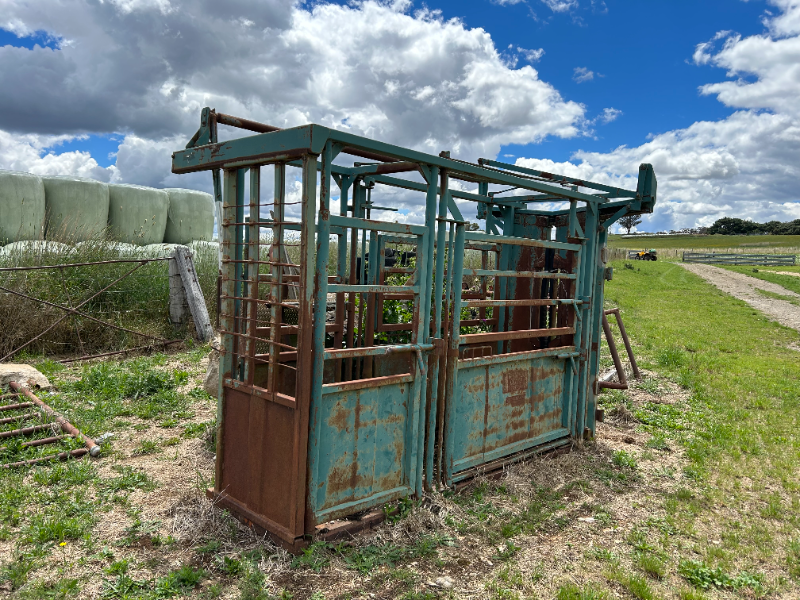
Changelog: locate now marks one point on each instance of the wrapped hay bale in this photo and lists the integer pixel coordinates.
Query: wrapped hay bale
(76, 208)
(22, 207)
(191, 216)
(137, 214)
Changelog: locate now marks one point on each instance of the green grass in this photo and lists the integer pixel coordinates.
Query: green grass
(751, 242)
(775, 296)
(741, 378)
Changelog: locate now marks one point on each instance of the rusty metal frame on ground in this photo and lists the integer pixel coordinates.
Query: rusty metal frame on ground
(326, 409)
(59, 424)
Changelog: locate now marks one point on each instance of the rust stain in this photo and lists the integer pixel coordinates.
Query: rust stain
(515, 380)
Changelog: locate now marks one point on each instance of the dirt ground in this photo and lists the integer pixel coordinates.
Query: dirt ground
(745, 288)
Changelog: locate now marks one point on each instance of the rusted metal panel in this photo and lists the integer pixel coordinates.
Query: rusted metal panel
(363, 447)
(506, 408)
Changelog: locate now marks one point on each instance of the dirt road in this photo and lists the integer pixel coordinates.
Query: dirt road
(746, 288)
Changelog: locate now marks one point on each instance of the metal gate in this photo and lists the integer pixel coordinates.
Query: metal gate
(391, 367)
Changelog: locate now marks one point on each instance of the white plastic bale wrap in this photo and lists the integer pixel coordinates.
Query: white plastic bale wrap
(137, 214)
(104, 247)
(160, 250)
(37, 247)
(76, 208)
(191, 216)
(22, 207)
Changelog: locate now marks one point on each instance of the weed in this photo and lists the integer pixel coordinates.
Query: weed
(701, 576)
(119, 567)
(209, 548)
(395, 514)
(17, 569)
(651, 565)
(793, 558)
(508, 552)
(624, 460)
(70, 473)
(129, 479)
(228, 565)
(193, 430)
(59, 590)
(603, 555)
(637, 586)
(146, 447)
(45, 528)
(649, 385)
(658, 442)
(315, 557)
(571, 591)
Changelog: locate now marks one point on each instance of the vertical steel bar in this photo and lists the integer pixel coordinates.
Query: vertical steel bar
(276, 254)
(441, 233)
(341, 271)
(320, 307)
(501, 283)
(253, 247)
(589, 269)
(227, 236)
(453, 392)
(305, 341)
(428, 257)
(358, 191)
(419, 335)
(369, 325)
(601, 235)
(236, 372)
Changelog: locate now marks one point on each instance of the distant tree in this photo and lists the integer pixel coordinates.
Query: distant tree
(734, 226)
(473, 227)
(630, 221)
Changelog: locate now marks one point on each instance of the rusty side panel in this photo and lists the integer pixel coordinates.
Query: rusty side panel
(260, 453)
(505, 408)
(363, 447)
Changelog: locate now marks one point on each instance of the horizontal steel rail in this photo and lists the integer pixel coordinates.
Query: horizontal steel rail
(376, 225)
(475, 236)
(518, 334)
(523, 274)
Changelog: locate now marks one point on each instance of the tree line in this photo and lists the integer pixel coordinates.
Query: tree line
(734, 226)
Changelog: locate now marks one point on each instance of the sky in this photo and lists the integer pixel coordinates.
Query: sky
(706, 91)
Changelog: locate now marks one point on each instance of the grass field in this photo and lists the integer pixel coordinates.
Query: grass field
(691, 490)
(754, 243)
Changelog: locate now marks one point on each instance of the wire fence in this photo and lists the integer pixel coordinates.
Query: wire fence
(89, 300)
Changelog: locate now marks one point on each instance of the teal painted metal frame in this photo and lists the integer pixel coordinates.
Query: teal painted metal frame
(440, 241)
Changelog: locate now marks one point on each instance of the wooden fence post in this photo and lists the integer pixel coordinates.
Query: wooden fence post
(193, 294)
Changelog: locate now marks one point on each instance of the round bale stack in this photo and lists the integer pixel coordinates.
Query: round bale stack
(22, 207)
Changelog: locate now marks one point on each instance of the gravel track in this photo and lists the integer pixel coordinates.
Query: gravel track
(745, 288)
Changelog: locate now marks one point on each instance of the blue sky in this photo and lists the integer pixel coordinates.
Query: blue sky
(591, 88)
(639, 54)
